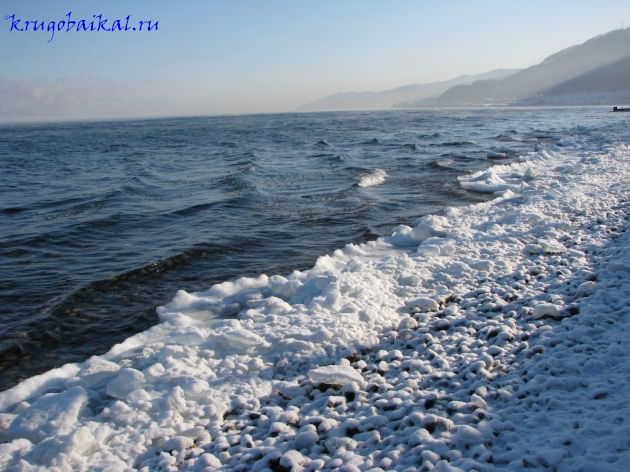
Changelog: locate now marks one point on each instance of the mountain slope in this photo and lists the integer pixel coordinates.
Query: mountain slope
(611, 78)
(608, 85)
(477, 92)
(566, 65)
(596, 72)
(401, 96)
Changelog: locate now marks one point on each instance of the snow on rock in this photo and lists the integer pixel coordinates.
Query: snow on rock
(551, 246)
(493, 337)
(423, 304)
(467, 436)
(335, 374)
(546, 309)
(585, 289)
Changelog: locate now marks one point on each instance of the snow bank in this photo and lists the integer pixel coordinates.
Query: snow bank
(493, 337)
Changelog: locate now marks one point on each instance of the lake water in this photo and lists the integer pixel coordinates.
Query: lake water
(100, 222)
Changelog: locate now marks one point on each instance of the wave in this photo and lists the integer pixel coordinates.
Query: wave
(376, 177)
(462, 142)
(497, 155)
(444, 162)
(509, 137)
(330, 157)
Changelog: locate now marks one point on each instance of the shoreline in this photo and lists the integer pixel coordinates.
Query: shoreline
(448, 339)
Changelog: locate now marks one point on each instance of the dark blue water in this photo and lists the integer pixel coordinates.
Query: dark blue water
(102, 222)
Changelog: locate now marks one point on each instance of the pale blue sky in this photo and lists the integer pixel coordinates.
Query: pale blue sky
(212, 57)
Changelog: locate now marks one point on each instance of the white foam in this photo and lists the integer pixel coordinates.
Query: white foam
(444, 162)
(376, 177)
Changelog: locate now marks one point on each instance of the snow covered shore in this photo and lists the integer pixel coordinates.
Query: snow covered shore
(494, 337)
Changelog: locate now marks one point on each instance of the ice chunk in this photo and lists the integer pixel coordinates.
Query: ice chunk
(51, 415)
(226, 289)
(428, 226)
(434, 221)
(423, 304)
(533, 249)
(406, 236)
(195, 389)
(80, 441)
(127, 381)
(435, 246)
(241, 337)
(189, 336)
(429, 250)
(211, 303)
(50, 450)
(96, 369)
(529, 174)
(551, 246)
(276, 306)
(200, 308)
(496, 155)
(335, 374)
(490, 182)
(153, 372)
(290, 390)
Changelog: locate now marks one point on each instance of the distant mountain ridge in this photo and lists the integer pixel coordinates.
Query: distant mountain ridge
(608, 85)
(596, 72)
(400, 96)
(567, 64)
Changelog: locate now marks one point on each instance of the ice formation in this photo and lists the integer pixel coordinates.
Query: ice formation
(496, 155)
(493, 337)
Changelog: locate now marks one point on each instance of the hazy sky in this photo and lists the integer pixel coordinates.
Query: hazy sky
(233, 56)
